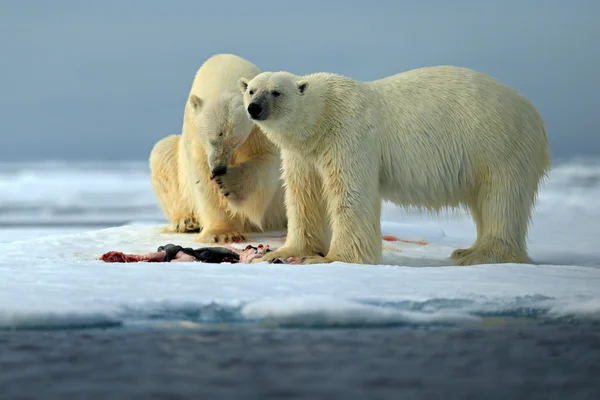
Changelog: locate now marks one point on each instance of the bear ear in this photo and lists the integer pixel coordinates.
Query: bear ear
(196, 103)
(302, 86)
(243, 84)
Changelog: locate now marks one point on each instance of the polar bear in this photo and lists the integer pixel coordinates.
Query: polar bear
(221, 175)
(433, 138)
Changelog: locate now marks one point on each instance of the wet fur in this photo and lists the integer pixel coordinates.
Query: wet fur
(181, 175)
(433, 138)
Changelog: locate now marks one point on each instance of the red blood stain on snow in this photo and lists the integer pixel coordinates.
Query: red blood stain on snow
(391, 248)
(390, 238)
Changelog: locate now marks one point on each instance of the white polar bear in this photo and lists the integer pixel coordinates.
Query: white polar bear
(433, 138)
(221, 175)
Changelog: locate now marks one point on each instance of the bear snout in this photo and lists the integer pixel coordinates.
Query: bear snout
(218, 171)
(255, 109)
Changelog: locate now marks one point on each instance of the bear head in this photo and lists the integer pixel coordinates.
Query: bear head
(222, 126)
(273, 99)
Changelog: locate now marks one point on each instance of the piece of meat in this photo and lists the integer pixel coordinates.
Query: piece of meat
(175, 253)
(213, 255)
(182, 257)
(251, 253)
(120, 257)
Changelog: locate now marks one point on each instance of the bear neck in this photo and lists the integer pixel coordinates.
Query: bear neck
(189, 126)
(299, 129)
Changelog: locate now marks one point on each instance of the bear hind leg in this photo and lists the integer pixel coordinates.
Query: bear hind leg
(502, 213)
(164, 169)
(458, 254)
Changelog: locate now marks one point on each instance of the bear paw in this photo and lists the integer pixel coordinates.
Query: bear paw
(220, 237)
(315, 260)
(487, 256)
(460, 253)
(283, 254)
(183, 225)
(232, 185)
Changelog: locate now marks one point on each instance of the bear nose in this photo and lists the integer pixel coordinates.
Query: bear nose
(218, 171)
(254, 110)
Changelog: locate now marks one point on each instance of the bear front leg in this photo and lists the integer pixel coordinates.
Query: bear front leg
(307, 217)
(219, 226)
(354, 202)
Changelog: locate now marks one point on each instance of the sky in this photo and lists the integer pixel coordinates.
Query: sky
(105, 80)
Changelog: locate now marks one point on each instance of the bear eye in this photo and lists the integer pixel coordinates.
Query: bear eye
(275, 93)
(251, 92)
(220, 133)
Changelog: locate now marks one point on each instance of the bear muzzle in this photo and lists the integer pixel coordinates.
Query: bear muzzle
(256, 112)
(218, 171)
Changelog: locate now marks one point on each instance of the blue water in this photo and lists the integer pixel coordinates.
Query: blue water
(501, 361)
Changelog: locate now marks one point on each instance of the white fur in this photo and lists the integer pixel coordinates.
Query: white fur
(217, 132)
(433, 138)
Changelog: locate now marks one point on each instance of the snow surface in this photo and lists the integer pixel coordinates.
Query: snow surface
(51, 277)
